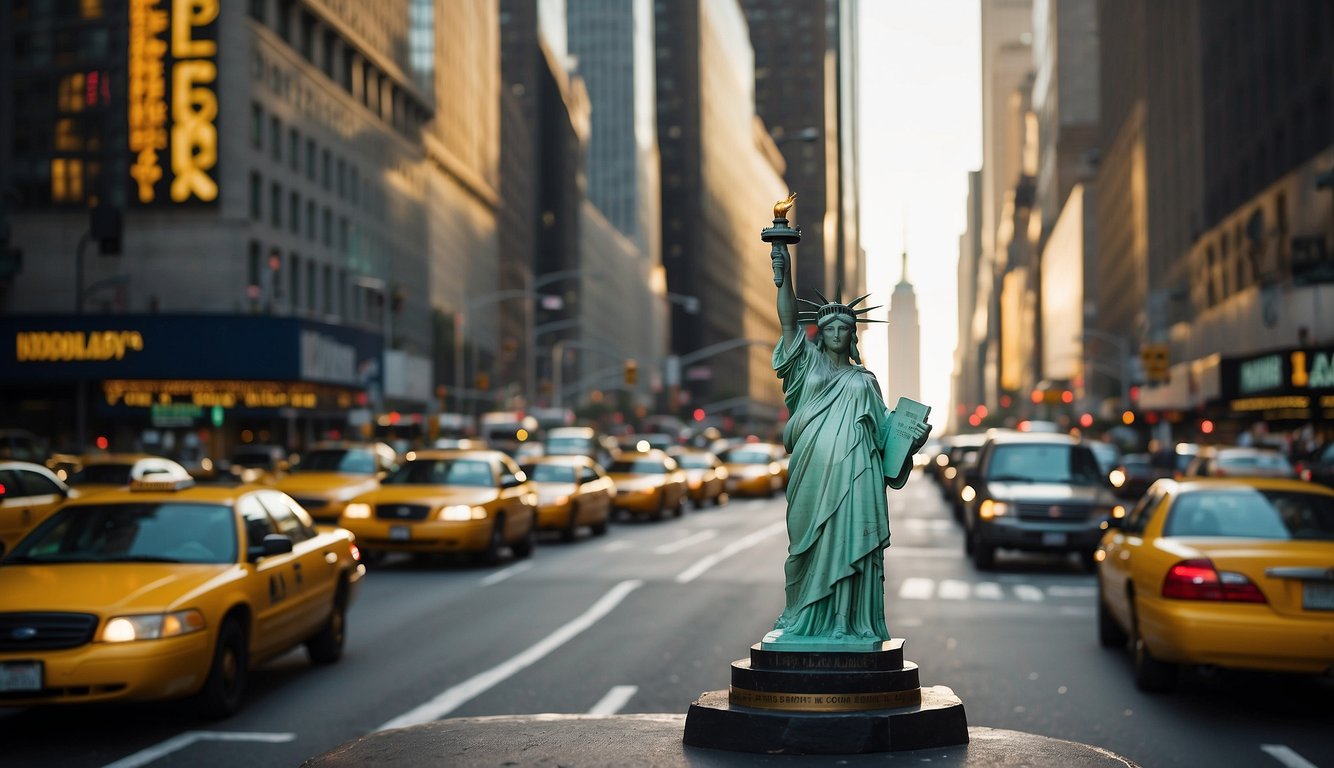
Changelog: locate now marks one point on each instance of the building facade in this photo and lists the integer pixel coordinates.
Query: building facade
(261, 173)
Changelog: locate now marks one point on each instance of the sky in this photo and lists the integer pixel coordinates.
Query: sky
(920, 135)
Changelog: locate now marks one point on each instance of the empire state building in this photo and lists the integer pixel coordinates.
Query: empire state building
(905, 346)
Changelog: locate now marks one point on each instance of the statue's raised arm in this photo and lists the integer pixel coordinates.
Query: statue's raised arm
(779, 236)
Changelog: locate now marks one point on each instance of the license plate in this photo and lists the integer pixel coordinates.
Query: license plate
(1053, 539)
(400, 532)
(1317, 596)
(21, 676)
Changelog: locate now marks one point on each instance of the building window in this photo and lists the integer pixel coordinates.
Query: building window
(259, 11)
(354, 192)
(310, 286)
(328, 227)
(276, 138)
(325, 164)
(342, 294)
(276, 204)
(328, 290)
(256, 126)
(342, 234)
(256, 196)
(310, 220)
(342, 178)
(310, 159)
(294, 211)
(294, 149)
(294, 278)
(254, 267)
(66, 179)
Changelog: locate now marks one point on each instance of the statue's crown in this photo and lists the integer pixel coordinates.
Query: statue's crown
(826, 308)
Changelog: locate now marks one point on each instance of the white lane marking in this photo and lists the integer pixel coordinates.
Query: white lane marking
(1072, 591)
(987, 590)
(689, 541)
(181, 741)
(452, 698)
(1286, 755)
(917, 588)
(614, 700)
(501, 575)
(953, 589)
(927, 524)
(1029, 593)
(745, 542)
(616, 546)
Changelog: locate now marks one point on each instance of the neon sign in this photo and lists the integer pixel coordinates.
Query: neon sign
(181, 120)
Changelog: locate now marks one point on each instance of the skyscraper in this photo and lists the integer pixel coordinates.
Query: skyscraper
(905, 342)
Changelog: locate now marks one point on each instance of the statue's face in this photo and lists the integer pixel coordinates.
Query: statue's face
(837, 336)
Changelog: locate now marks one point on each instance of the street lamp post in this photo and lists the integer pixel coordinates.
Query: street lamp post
(558, 358)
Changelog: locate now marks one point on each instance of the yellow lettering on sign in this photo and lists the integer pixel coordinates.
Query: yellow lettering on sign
(194, 137)
(69, 346)
(146, 91)
(185, 16)
(1299, 369)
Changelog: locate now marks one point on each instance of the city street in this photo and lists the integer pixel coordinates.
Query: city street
(648, 617)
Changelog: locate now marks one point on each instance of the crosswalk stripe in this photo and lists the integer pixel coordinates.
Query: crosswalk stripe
(917, 588)
(988, 590)
(1029, 593)
(953, 589)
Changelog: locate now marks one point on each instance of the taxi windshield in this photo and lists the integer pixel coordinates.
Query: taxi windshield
(102, 474)
(337, 460)
(549, 473)
(639, 467)
(692, 461)
(443, 472)
(161, 532)
(744, 456)
(1252, 514)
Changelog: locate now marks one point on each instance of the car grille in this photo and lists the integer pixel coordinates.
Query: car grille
(45, 631)
(402, 511)
(310, 504)
(1040, 513)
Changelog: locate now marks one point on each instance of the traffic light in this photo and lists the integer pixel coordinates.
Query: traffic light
(1157, 363)
(631, 372)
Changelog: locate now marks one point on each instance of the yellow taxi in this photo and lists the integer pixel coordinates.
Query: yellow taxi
(330, 475)
(97, 472)
(1234, 573)
(754, 469)
(29, 493)
(648, 483)
(572, 491)
(706, 476)
(448, 501)
(168, 590)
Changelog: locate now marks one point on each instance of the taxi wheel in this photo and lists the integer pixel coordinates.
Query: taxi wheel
(1151, 675)
(680, 509)
(491, 556)
(984, 554)
(600, 527)
(1110, 634)
(224, 690)
(721, 499)
(523, 548)
(571, 529)
(326, 646)
(661, 511)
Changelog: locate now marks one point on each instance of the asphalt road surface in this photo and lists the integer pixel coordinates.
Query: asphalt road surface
(646, 618)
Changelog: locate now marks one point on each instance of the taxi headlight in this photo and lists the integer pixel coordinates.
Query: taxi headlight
(990, 509)
(462, 512)
(155, 626)
(357, 510)
(1117, 477)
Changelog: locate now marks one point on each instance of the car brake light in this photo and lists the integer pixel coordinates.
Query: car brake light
(1199, 580)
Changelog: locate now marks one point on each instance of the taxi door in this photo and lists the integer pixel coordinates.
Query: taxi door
(272, 585)
(514, 499)
(26, 499)
(1120, 549)
(315, 563)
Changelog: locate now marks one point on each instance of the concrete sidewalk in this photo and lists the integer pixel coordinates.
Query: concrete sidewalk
(575, 741)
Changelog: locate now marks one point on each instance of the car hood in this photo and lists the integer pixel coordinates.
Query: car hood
(325, 483)
(431, 495)
(107, 588)
(1049, 493)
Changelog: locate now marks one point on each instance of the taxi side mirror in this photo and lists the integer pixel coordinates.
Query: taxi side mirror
(274, 544)
(510, 481)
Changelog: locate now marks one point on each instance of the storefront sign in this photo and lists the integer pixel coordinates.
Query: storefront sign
(173, 394)
(65, 346)
(177, 121)
(1289, 383)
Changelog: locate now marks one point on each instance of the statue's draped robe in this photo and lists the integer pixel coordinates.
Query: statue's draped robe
(837, 518)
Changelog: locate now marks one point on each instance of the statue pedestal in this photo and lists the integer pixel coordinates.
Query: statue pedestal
(826, 703)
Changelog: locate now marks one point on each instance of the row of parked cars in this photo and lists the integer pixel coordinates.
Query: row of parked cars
(245, 570)
(1222, 556)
